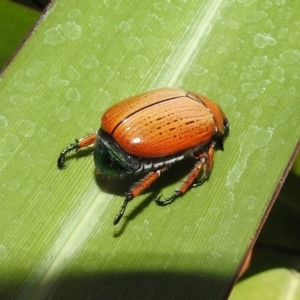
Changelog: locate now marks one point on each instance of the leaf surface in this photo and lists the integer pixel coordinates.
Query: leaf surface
(57, 237)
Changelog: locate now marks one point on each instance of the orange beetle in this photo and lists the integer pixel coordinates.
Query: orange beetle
(149, 132)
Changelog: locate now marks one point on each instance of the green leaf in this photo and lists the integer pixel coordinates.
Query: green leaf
(57, 237)
(296, 165)
(276, 253)
(270, 285)
(15, 22)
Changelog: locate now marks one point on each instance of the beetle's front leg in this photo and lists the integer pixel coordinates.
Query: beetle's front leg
(137, 189)
(79, 143)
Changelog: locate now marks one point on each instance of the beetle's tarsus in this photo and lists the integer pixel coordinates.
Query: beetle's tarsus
(200, 181)
(61, 161)
(169, 200)
(120, 214)
(62, 156)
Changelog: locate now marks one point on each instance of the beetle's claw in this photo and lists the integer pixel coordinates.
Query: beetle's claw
(61, 161)
(62, 156)
(200, 181)
(120, 214)
(167, 201)
(117, 218)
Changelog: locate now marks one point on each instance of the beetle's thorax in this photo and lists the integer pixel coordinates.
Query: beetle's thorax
(110, 159)
(216, 112)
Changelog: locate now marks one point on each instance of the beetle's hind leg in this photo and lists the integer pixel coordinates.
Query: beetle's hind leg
(209, 157)
(137, 189)
(79, 143)
(203, 159)
(186, 184)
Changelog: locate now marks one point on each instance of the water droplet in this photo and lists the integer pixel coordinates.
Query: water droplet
(73, 94)
(247, 87)
(55, 82)
(227, 99)
(24, 86)
(62, 113)
(25, 128)
(53, 36)
(284, 12)
(35, 69)
(280, 2)
(74, 13)
(232, 24)
(290, 56)
(254, 16)
(9, 144)
(112, 3)
(96, 102)
(261, 40)
(150, 42)
(25, 158)
(125, 26)
(259, 61)
(38, 102)
(72, 73)
(70, 30)
(277, 73)
(133, 43)
(256, 111)
(96, 23)
(282, 33)
(89, 61)
(3, 122)
(18, 100)
(247, 2)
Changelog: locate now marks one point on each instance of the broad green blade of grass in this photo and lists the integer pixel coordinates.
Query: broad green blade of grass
(56, 234)
(275, 265)
(296, 165)
(269, 285)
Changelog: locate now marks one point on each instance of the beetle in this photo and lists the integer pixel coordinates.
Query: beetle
(152, 131)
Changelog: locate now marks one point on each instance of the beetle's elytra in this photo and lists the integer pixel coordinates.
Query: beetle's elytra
(149, 132)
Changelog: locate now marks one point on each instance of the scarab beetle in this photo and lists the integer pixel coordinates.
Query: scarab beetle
(150, 132)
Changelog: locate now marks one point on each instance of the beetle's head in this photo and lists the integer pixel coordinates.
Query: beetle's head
(220, 118)
(223, 125)
(226, 126)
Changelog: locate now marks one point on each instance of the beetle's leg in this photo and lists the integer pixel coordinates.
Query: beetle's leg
(209, 157)
(79, 143)
(203, 159)
(122, 210)
(186, 184)
(176, 194)
(137, 189)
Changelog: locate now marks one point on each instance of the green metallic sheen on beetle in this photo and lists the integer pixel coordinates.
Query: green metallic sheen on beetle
(150, 132)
